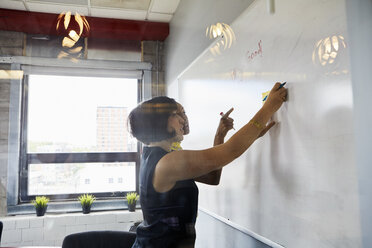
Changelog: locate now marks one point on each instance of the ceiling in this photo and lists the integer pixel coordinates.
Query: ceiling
(143, 10)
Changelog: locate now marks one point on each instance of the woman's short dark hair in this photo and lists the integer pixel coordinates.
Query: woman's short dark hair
(149, 120)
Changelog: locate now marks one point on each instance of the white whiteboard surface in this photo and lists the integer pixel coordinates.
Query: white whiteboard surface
(296, 186)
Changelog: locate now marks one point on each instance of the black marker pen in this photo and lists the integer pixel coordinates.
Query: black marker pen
(281, 85)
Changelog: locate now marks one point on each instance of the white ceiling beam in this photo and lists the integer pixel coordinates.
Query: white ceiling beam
(89, 8)
(119, 13)
(8, 4)
(149, 9)
(26, 6)
(57, 8)
(159, 17)
(164, 6)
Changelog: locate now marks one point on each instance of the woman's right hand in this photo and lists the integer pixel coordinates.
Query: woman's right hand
(276, 98)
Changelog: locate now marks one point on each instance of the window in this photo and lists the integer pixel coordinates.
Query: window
(75, 138)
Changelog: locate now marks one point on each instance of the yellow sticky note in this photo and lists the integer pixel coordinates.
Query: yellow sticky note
(265, 95)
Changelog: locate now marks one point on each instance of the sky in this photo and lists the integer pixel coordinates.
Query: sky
(63, 108)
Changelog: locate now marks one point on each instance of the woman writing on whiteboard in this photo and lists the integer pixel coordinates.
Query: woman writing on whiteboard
(168, 193)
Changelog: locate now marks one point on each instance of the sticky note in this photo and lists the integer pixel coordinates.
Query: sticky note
(265, 95)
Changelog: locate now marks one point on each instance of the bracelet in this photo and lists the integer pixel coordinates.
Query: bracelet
(255, 123)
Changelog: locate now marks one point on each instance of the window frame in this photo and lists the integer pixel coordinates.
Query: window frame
(76, 157)
(17, 203)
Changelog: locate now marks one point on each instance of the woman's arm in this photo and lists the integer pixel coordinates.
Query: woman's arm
(188, 164)
(225, 125)
(212, 178)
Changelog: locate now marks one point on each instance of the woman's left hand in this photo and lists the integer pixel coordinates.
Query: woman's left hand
(225, 125)
(270, 125)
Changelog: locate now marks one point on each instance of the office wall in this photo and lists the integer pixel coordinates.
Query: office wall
(187, 37)
(360, 30)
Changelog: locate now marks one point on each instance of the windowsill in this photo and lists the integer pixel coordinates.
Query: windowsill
(130, 216)
(70, 207)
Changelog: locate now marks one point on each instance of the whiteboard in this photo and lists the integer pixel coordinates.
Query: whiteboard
(297, 185)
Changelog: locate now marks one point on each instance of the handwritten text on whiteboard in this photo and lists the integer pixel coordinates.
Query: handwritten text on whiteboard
(251, 55)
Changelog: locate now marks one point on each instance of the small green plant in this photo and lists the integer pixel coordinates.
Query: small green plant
(40, 202)
(86, 199)
(132, 197)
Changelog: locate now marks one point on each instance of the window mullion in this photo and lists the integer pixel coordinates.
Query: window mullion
(102, 157)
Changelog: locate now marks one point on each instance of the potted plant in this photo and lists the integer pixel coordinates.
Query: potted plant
(41, 204)
(132, 200)
(86, 202)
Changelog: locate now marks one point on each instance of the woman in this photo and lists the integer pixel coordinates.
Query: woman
(168, 193)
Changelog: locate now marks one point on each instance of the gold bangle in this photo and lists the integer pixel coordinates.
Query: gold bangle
(255, 123)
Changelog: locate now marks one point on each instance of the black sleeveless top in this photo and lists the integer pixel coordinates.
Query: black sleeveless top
(169, 217)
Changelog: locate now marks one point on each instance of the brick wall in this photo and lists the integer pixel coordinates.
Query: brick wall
(50, 230)
(153, 52)
(11, 44)
(4, 122)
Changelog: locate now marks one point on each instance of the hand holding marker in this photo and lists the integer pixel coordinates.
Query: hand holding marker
(281, 85)
(226, 117)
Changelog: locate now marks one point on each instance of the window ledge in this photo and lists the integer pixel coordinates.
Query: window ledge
(70, 207)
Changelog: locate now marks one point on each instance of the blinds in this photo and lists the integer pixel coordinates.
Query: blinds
(85, 68)
(82, 72)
